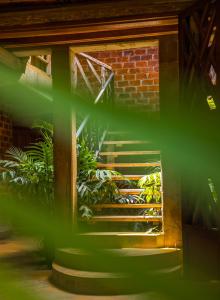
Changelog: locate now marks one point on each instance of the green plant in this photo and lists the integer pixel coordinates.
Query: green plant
(152, 187)
(94, 185)
(30, 172)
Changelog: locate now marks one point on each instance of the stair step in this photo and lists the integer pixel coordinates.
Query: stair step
(130, 142)
(85, 274)
(130, 191)
(127, 219)
(127, 165)
(86, 259)
(127, 153)
(76, 271)
(88, 282)
(127, 177)
(125, 205)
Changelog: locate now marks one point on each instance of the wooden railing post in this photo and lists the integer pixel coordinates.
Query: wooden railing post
(65, 157)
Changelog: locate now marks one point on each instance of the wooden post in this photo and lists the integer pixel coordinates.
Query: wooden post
(65, 157)
(217, 51)
(169, 107)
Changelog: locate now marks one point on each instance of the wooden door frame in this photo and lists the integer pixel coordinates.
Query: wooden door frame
(143, 33)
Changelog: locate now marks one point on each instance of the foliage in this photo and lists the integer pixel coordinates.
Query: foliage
(94, 185)
(86, 161)
(194, 164)
(30, 172)
(152, 185)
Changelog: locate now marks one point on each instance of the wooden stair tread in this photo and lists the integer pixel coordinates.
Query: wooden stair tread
(127, 218)
(121, 233)
(127, 153)
(131, 191)
(125, 205)
(127, 177)
(127, 165)
(123, 251)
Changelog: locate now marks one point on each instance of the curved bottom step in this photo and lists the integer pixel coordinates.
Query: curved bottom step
(73, 271)
(89, 283)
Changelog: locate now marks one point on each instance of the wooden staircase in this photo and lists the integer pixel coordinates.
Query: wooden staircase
(131, 158)
(123, 254)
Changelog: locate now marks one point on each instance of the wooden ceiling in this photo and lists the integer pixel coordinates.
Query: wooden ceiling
(157, 6)
(46, 22)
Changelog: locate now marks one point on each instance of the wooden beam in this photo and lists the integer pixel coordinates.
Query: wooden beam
(65, 158)
(10, 60)
(83, 32)
(31, 52)
(88, 10)
(169, 108)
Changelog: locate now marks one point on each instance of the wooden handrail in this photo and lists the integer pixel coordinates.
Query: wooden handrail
(85, 121)
(98, 62)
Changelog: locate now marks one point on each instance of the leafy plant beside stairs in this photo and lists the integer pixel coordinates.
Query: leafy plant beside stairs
(94, 185)
(30, 172)
(152, 187)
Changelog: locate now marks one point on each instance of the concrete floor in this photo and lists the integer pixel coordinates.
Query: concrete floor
(21, 254)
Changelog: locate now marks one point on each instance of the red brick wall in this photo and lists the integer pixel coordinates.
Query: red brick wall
(136, 76)
(5, 133)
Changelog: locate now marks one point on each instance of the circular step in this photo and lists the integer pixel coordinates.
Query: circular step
(112, 271)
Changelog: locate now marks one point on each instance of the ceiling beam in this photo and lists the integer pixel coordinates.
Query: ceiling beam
(83, 11)
(130, 29)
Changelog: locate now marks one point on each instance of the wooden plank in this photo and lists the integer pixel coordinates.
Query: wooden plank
(152, 219)
(93, 71)
(104, 87)
(31, 52)
(10, 60)
(63, 39)
(98, 62)
(74, 73)
(127, 177)
(22, 2)
(78, 13)
(128, 165)
(124, 177)
(84, 76)
(125, 205)
(127, 153)
(120, 45)
(130, 191)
